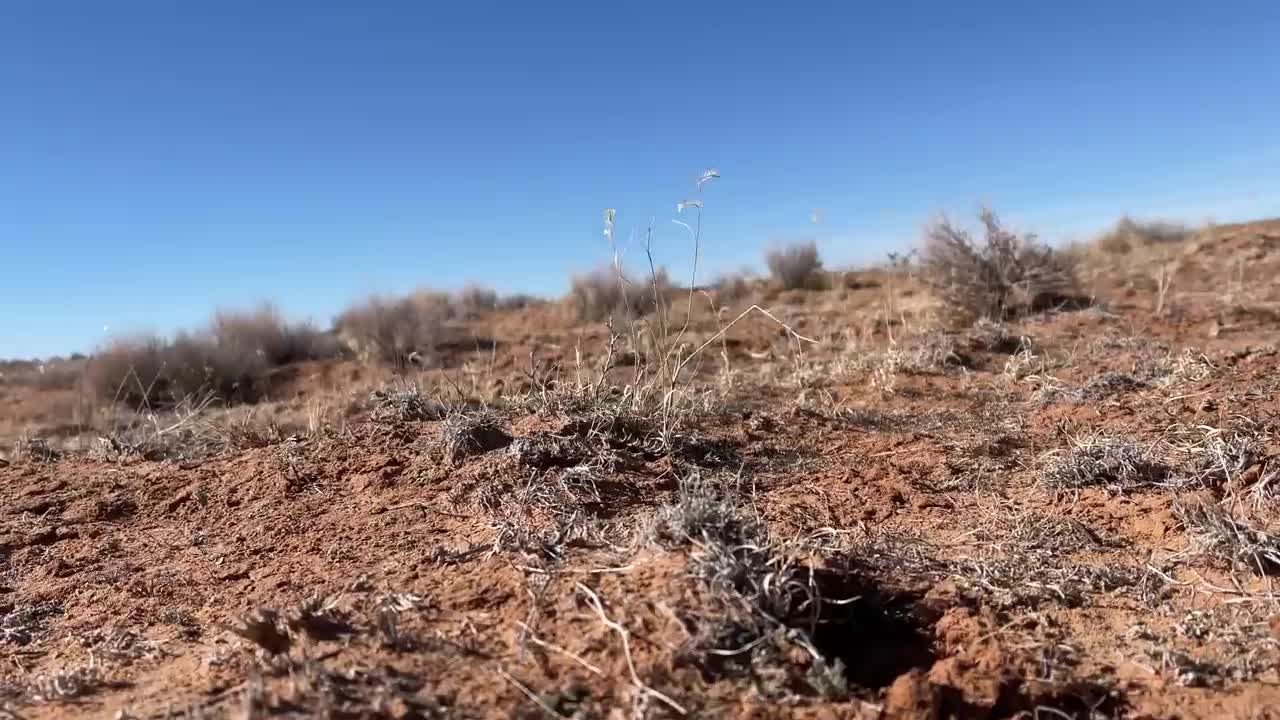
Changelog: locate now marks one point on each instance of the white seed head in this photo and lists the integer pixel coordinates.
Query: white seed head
(708, 175)
(608, 222)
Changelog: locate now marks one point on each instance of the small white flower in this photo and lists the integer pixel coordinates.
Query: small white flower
(708, 176)
(689, 205)
(608, 222)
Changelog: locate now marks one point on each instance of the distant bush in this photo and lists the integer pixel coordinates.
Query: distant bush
(1005, 276)
(1129, 233)
(394, 329)
(231, 358)
(149, 371)
(733, 287)
(518, 301)
(604, 293)
(797, 267)
(474, 299)
(264, 332)
(52, 374)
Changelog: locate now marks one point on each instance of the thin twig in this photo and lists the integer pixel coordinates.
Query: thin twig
(543, 643)
(594, 601)
(530, 694)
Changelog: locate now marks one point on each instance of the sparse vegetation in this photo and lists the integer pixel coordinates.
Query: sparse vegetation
(473, 433)
(733, 287)
(50, 374)
(1129, 234)
(264, 333)
(1228, 539)
(476, 299)
(1005, 276)
(1113, 464)
(669, 514)
(519, 301)
(398, 331)
(151, 372)
(797, 267)
(405, 404)
(230, 360)
(604, 293)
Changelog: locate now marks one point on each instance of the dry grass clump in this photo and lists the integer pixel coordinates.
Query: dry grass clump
(34, 449)
(1225, 457)
(1129, 234)
(930, 353)
(797, 267)
(993, 336)
(473, 433)
(605, 292)
(398, 331)
(1005, 276)
(1114, 464)
(1227, 538)
(406, 404)
(67, 686)
(1107, 384)
(766, 614)
(22, 624)
(700, 514)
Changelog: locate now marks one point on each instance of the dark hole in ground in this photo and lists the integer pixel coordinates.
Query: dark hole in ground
(878, 635)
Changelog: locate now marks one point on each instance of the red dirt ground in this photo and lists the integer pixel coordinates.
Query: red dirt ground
(909, 486)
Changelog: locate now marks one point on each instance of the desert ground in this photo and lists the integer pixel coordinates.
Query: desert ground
(856, 506)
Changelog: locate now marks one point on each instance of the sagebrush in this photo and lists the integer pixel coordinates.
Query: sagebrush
(797, 267)
(1003, 276)
(1129, 234)
(230, 359)
(607, 292)
(399, 331)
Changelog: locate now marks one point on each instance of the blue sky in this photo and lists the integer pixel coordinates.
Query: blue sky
(160, 159)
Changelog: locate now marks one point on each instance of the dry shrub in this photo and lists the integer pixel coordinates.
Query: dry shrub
(797, 267)
(1006, 276)
(150, 372)
(1129, 234)
(476, 299)
(733, 287)
(605, 292)
(394, 329)
(518, 301)
(231, 360)
(263, 332)
(52, 374)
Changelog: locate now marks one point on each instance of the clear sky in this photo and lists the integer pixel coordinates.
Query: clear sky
(159, 159)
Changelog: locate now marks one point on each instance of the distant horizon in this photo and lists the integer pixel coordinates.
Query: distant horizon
(702, 280)
(158, 162)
